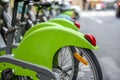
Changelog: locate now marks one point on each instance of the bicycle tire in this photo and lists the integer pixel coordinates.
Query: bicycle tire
(76, 73)
(95, 66)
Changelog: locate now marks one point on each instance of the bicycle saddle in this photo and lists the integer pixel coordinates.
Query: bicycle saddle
(43, 4)
(2, 2)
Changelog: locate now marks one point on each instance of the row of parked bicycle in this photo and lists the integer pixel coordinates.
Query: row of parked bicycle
(45, 43)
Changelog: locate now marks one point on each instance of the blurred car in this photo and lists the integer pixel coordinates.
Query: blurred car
(118, 9)
(100, 6)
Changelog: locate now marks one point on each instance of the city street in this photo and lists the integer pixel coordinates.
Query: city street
(106, 28)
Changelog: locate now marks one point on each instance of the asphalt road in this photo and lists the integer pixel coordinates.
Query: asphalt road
(106, 28)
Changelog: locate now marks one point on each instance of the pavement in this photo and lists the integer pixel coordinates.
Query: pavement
(106, 28)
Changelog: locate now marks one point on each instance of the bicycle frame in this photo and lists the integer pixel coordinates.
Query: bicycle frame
(6, 19)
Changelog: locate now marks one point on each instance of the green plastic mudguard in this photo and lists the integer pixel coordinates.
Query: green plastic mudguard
(53, 22)
(40, 46)
(41, 25)
(65, 23)
(69, 13)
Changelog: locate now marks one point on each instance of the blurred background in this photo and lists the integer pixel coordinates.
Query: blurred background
(90, 4)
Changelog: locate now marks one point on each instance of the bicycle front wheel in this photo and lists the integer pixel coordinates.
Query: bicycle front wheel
(69, 68)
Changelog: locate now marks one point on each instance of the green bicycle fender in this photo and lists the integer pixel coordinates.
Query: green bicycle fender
(69, 13)
(40, 46)
(41, 25)
(65, 23)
